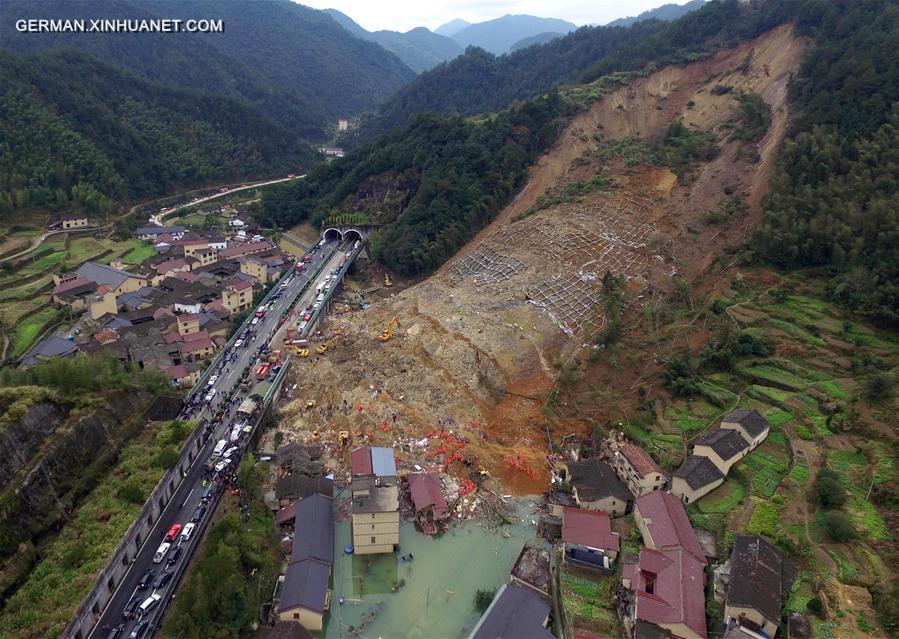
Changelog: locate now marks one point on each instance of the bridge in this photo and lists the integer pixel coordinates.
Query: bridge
(179, 492)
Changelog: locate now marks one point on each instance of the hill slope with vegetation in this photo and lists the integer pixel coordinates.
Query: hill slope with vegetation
(294, 64)
(479, 81)
(79, 134)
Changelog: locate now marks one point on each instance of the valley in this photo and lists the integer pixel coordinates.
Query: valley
(579, 332)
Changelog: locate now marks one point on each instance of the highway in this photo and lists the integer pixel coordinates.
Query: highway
(188, 496)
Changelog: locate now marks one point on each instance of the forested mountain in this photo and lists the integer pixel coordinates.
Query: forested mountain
(418, 48)
(77, 133)
(667, 13)
(498, 35)
(478, 81)
(835, 199)
(455, 176)
(295, 64)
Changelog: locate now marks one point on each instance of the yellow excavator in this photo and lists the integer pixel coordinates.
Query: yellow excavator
(387, 280)
(303, 352)
(388, 330)
(321, 350)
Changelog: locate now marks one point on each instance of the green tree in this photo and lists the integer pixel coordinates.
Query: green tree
(838, 525)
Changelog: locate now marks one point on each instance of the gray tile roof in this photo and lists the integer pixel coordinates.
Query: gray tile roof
(596, 480)
(53, 346)
(698, 471)
(305, 586)
(314, 529)
(751, 420)
(760, 576)
(516, 613)
(724, 441)
(102, 274)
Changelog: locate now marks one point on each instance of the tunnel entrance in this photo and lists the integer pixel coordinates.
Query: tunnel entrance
(332, 235)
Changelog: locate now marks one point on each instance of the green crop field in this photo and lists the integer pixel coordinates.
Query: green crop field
(724, 498)
(24, 333)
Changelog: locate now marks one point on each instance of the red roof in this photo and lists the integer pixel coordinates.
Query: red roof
(67, 286)
(103, 289)
(240, 285)
(360, 461)
(175, 372)
(287, 514)
(196, 345)
(591, 528)
(165, 267)
(583, 634)
(189, 317)
(678, 590)
(163, 312)
(186, 276)
(245, 249)
(426, 492)
(193, 337)
(668, 525)
(639, 459)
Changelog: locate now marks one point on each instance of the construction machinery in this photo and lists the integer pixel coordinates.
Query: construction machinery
(321, 350)
(343, 438)
(388, 330)
(387, 280)
(303, 352)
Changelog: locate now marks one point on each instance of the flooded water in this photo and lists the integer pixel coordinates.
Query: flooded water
(435, 597)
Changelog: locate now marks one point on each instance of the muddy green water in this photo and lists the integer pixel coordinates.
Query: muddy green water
(437, 599)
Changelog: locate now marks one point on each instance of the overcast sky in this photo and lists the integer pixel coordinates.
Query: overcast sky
(402, 15)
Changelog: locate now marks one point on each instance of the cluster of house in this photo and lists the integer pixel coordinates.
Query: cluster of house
(173, 311)
(662, 590)
(739, 433)
(302, 499)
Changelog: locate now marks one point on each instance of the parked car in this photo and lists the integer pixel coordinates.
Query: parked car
(174, 555)
(173, 532)
(199, 511)
(130, 610)
(149, 603)
(162, 579)
(222, 465)
(140, 628)
(115, 631)
(213, 380)
(187, 532)
(238, 343)
(210, 395)
(145, 580)
(161, 552)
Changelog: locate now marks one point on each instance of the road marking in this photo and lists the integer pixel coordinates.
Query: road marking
(188, 495)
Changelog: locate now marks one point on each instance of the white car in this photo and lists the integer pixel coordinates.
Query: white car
(238, 343)
(230, 452)
(187, 532)
(161, 552)
(213, 380)
(255, 321)
(222, 465)
(210, 395)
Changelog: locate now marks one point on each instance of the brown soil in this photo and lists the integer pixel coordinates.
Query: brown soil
(480, 358)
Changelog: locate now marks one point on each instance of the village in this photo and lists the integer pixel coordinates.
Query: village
(174, 310)
(408, 535)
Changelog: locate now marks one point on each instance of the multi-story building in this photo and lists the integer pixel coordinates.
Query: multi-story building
(376, 506)
(637, 469)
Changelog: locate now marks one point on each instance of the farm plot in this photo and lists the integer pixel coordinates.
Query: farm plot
(589, 602)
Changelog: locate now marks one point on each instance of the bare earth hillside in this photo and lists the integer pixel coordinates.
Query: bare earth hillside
(479, 344)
